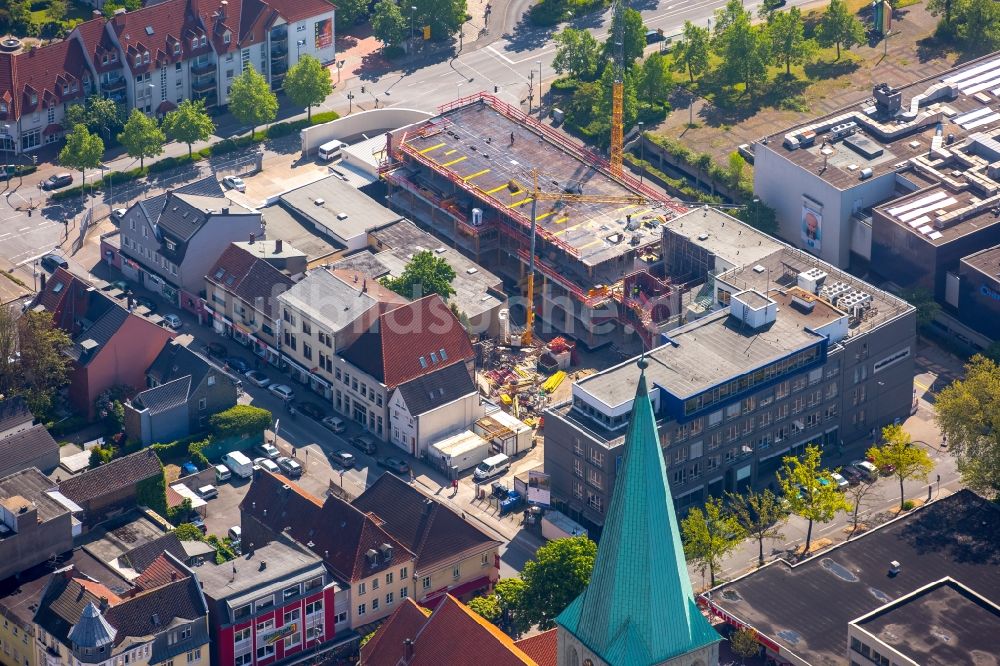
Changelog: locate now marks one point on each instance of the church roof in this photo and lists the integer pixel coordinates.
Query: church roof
(639, 608)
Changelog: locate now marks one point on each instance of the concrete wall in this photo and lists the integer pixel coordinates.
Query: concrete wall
(366, 122)
(34, 542)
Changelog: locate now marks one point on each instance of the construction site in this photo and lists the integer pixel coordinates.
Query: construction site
(494, 183)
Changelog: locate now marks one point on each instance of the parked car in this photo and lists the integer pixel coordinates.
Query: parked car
(235, 534)
(235, 183)
(189, 468)
(344, 458)
(257, 378)
(57, 181)
(852, 475)
(118, 214)
(334, 423)
(884, 470)
(290, 467)
(200, 524)
(237, 364)
(282, 391)
(364, 443)
(222, 473)
(310, 409)
(653, 36)
(868, 470)
(394, 464)
(51, 262)
(147, 303)
(216, 349)
(266, 464)
(208, 492)
(173, 321)
(839, 480)
(270, 451)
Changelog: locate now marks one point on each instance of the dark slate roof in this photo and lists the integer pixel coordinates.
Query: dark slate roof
(338, 532)
(956, 537)
(249, 277)
(399, 346)
(440, 387)
(101, 332)
(91, 629)
(151, 611)
(433, 532)
(64, 599)
(22, 449)
(14, 412)
(112, 477)
(140, 557)
(175, 361)
(165, 396)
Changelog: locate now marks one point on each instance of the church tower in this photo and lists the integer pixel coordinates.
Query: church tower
(639, 609)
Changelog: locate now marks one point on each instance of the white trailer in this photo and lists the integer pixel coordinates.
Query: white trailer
(556, 525)
(462, 451)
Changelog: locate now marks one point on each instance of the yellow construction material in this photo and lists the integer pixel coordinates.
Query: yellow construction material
(553, 382)
(505, 399)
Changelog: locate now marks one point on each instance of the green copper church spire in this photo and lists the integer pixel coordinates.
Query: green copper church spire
(639, 608)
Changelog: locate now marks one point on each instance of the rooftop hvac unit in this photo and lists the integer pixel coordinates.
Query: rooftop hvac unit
(865, 174)
(811, 279)
(843, 129)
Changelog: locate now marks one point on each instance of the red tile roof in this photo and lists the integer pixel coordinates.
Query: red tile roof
(296, 10)
(170, 22)
(48, 75)
(543, 647)
(452, 634)
(249, 277)
(96, 43)
(406, 342)
(334, 530)
(7, 86)
(160, 572)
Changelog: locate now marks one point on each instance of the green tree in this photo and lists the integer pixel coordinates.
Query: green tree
(633, 33)
(810, 491)
(655, 82)
(977, 23)
(110, 408)
(993, 352)
(759, 216)
(239, 421)
(968, 414)
(487, 607)
(558, 574)
(710, 535)
(445, 17)
(388, 23)
(759, 515)
(910, 462)
(101, 115)
(858, 496)
(251, 100)
(18, 15)
(630, 98)
(188, 123)
(735, 168)
(923, 300)
(348, 12)
(82, 151)
(691, 53)
(308, 83)
(742, 47)
(743, 642)
(510, 595)
(41, 366)
(838, 26)
(938, 7)
(188, 532)
(129, 5)
(786, 32)
(142, 137)
(425, 274)
(56, 10)
(577, 54)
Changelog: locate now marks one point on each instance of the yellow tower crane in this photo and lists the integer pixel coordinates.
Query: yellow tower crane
(618, 87)
(536, 196)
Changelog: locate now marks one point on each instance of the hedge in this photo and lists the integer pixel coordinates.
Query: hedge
(239, 421)
(178, 449)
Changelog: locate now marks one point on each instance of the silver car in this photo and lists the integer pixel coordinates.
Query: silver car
(235, 183)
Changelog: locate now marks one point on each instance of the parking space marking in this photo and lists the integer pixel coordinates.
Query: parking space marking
(427, 150)
(453, 150)
(544, 215)
(520, 203)
(475, 175)
(496, 189)
(560, 220)
(456, 161)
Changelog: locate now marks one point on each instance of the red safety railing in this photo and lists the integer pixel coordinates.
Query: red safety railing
(436, 201)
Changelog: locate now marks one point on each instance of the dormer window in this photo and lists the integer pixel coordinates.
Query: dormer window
(194, 43)
(34, 99)
(204, 40)
(138, 59)
(3, 107)
(114, 56)
(145, 57)
(177, 49)
(171, 246)
(105, 59)
(73, 87)
(65, 88)
(227, 37)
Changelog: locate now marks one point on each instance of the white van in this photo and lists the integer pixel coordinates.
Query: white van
(492, 466)
(330, 151)
(222, 473)
(239, 464)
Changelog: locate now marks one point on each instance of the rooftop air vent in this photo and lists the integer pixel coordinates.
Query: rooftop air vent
(319, 201)
(341, 216)
(470, 271)
(703, 236)
(759, 269)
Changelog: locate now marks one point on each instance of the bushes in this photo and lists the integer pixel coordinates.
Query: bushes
(324, 117)
(564, 85)
(179, 449)
(239, 421)
(61, 428)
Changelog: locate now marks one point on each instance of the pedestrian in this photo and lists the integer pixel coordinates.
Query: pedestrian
(454, 486)
(294, 451)
(512, 138)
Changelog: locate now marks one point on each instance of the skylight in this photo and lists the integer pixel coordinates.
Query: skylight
(444, 356)
(149, 30)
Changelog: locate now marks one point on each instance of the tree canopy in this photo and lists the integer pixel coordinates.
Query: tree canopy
(810, 491)
(102, 115)
(32, 359)
(251, 100)
(425, 274)
(82, 151)
(578, 54)
(838, 26)
(742, 47)
(188, 123)
(968, 413)
(655, 81)
(633, 33)
(308, 83)
(240, 420)
(388, 23)
(691, 52)
(759, 515)
(710, 535)
(348, 13)
(787, 37)
(897, 451)
(444, 17)
(142, 137)
(558, 574)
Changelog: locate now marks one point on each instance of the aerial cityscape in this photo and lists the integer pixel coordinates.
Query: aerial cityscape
(488, 332)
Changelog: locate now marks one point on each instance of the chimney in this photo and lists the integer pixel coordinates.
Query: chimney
(225, 210)
(277, 246)
(222, 9)
(173, 575)
(263, 564)
(119, 18)
(104, 604)
(44, 277)
(408, 650)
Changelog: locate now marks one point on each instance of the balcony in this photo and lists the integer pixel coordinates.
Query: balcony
(113, 84)
(209, 98)
(203, 84)
(279, 55)
(202, 68)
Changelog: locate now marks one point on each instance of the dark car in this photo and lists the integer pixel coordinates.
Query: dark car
(344, 458)
(290, 467)
(57, 181)
(364, 443)
(238, 364)
(310, 409)
(852, 475)
(394, 464)
(216, 349)
(200, 524)
(51, 262)
(653, 36)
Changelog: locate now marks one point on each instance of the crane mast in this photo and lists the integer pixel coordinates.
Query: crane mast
(617, 91)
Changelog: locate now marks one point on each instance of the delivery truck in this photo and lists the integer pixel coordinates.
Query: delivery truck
(461, 452)
(239, 464)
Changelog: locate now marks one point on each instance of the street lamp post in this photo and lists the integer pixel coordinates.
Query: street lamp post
(539, 63)
(531, 89)
(340, 64)
(298, 52)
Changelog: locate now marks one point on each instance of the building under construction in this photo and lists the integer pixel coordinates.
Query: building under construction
(476, 173)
